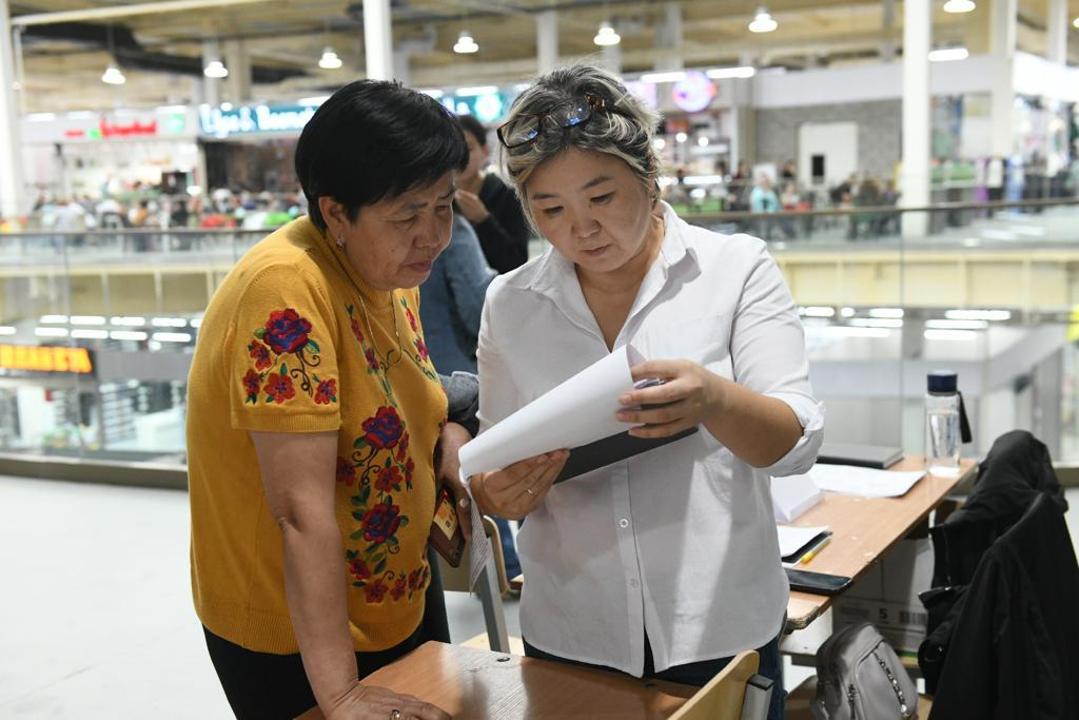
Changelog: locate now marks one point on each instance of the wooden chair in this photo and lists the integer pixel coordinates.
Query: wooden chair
(721, 698)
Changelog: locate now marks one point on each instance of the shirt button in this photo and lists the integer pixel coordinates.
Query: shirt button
(633, 583)
(623, 523)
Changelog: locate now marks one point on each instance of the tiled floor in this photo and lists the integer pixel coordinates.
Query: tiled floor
(95, 605)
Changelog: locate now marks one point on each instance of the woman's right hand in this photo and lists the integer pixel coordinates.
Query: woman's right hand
(518, 489)
(367, 702)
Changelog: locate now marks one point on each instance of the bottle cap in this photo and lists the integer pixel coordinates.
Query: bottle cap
(943, 381)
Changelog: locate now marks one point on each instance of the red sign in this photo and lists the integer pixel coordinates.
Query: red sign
(132, 129)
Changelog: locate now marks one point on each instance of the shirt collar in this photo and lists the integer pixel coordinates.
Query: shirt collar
(554, 272)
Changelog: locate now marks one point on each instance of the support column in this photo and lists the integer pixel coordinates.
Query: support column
(1002, 34)
(888, 50)
(12, 190)
(546, 41)
(1057, 31)
(402, 65)
(378, 39)
(611, 58)
(914, 181)
(743, 125)
(238, 61)
(211, 87)
(669, 39)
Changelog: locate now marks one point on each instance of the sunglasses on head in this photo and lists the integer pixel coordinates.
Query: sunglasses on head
(524, 129)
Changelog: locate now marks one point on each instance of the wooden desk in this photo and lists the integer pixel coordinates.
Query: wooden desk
(864, 529)
(473, 684)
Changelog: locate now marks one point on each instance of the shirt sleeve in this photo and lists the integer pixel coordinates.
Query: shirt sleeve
(468, 275)
(281, 354)
(498, 391)
(504, 234)
(769, 357)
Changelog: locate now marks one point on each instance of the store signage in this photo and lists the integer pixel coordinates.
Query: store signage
(33, 358)
(248, 119)
(694, 93)
(106, 130)
(78, 127)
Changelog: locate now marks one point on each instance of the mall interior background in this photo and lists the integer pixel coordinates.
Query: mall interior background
(925, 160)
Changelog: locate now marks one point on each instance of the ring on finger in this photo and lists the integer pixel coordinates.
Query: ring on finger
(395, 714)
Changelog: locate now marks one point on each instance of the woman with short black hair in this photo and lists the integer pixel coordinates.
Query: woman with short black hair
(313, 416)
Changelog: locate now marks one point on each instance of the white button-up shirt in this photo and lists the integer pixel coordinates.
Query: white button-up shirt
(678, 542)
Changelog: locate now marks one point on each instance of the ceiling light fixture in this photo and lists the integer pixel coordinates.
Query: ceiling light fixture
(465, 44)
(113, 76)
(742, 71)
(959, 6)
(763, 22)
(606, 35)
(215, 69)
(329, 59)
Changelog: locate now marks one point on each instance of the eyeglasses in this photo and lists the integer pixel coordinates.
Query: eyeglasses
(524, 129)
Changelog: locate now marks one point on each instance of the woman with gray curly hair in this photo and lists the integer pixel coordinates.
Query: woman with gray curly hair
(665, 564)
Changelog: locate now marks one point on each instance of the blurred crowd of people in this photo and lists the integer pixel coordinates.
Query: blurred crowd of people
(148, 209)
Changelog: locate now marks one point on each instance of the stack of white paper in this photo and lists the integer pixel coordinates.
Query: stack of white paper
(865, 482)
(793, 495)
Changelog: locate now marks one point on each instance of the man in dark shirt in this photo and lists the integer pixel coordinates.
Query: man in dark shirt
(490, 205)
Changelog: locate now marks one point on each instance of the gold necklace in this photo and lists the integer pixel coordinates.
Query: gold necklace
(387, 361)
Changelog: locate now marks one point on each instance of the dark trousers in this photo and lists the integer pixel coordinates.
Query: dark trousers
(264, 686)
(699, 673)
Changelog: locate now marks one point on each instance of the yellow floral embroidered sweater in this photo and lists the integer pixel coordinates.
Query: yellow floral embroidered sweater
(285, 347)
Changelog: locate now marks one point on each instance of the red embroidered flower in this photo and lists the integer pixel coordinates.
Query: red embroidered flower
(388, 478)
(398, 589)
(376, 591)
(326, 392)
(251, 385)
(384, 430)
(345, 472)
(381, 522)
(409, 467)
(421, 348)
(286, 331)
(414, 579)
(359, 569)
(356, 330)
(261, 354)
(411, 318)
(372, 361)
(402, 447)
(279, 388)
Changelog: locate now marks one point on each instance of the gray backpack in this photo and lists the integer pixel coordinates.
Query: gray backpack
(859, 677)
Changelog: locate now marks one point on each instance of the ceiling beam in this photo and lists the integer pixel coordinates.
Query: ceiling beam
(119, 11)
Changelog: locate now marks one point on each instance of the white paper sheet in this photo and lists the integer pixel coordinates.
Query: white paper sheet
(865, 482)
(791, 538)
(579, 411)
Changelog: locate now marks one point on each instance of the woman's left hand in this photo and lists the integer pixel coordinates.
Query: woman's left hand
(690, 396)
(451, 439)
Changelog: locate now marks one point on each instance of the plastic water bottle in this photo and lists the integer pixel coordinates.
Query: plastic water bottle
(942, 433)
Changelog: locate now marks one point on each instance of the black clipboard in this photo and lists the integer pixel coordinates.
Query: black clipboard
(612, 449)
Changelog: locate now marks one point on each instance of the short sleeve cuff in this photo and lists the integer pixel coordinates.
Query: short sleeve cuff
(800, 458)
(287, 423)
